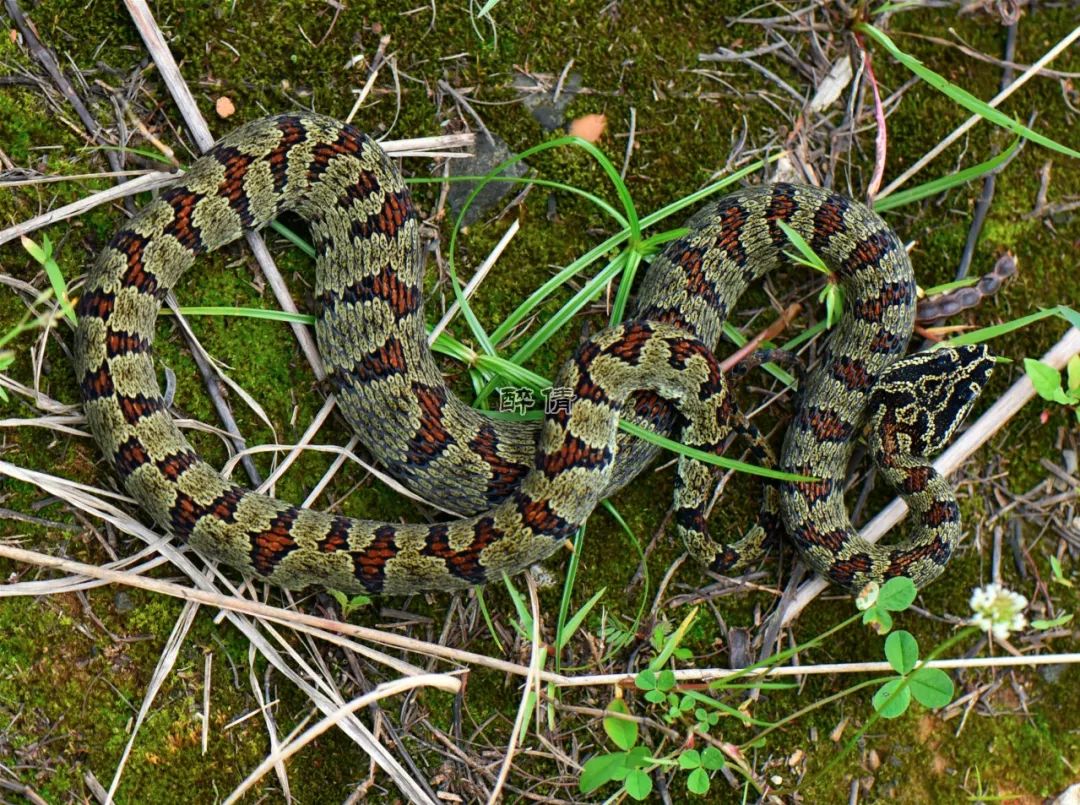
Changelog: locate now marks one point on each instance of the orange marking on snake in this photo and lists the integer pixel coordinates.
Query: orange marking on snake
(852, 373)
(120, 343)
(916, 480)
(97, 384)
(505, 475)
(628, 348)
(224, 508)
(137, 407)
(829, 220)
(369, 565)
(733, 220)
(172, 467)
(574, 453)
(431, 437)
(130, 456)
(463, 563)
(269, 547)
(940, 512)
(97, 303)
(337, 537)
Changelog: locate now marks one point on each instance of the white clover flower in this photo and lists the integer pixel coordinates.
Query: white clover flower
(998, 610)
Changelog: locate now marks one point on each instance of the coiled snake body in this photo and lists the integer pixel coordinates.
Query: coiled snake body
(524, 486)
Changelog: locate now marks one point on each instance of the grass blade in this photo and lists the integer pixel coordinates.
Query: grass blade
(962, 96)
(43, 254)
(944, 183)
(708, 458)
(995, 330)
(574, 623)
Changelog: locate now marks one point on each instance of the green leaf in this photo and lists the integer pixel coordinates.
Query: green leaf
(1058, 573)
(867, 597)
(355, 603)
(698, 782)
(659, 635)
(146, 153)
(807, 256)
(898, 704)
(1042, 624)
(508, 370)
(655, 696)
(689, 759)
(529, 704)
(878, 619)
(897, 594)
(574, 623)
(487, 617)
(35, 251)
(962, 96)
(931, 687)
(622, 731)
(665, 680)
(1073, 369)
(712, 759)
(601, 769)
(1045, 378)
(43, 254)
(833, 295)
(646, 680)
(639, 757)
(524, 622)
(902, 651)
(638, 785)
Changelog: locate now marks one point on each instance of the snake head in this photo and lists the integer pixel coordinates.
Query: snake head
(919, 402)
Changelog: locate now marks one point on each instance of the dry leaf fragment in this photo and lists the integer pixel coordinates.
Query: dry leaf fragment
(589, 127)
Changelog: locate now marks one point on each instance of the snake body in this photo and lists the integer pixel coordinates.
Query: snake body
(522, 486)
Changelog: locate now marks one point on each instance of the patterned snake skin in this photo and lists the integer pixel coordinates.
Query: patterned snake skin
(525, 487)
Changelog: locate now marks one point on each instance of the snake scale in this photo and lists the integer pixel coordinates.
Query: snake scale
(523, 487)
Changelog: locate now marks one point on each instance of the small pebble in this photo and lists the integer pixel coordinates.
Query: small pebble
(1069, 457)
(122, 602)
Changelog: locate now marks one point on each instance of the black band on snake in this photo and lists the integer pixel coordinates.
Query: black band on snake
(524, 486)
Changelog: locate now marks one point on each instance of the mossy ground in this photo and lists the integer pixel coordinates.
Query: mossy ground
(68, 691)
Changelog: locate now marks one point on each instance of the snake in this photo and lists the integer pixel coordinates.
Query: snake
(520, 488)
